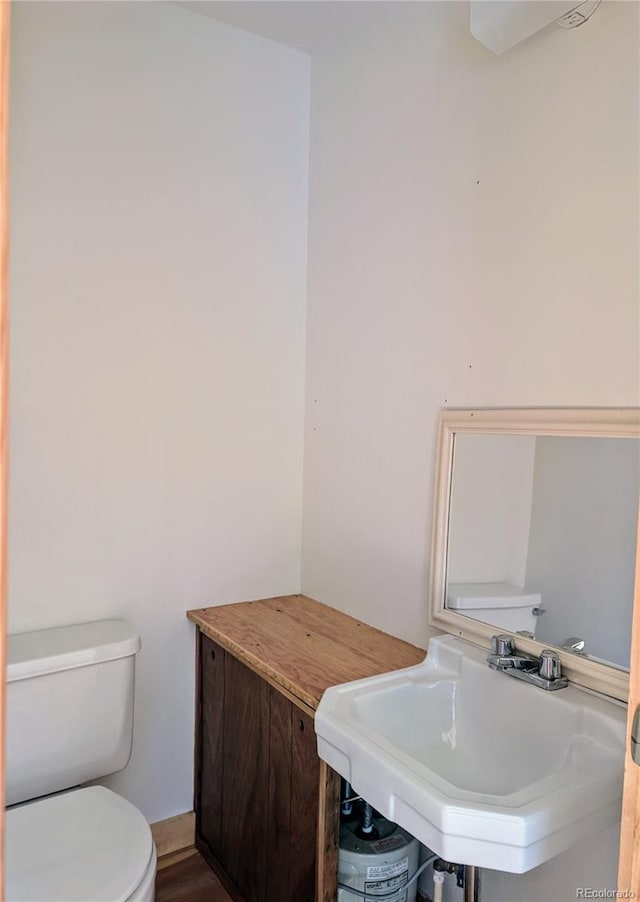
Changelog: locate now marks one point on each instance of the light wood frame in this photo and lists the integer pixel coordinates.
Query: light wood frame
(588, 422)
(629, 861)
(4, 400)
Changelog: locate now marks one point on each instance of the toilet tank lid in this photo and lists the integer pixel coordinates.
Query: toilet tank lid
(476, 596)
(65, 647)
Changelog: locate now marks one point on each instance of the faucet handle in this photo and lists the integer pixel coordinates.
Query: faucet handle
(502, 645)
(550, 667)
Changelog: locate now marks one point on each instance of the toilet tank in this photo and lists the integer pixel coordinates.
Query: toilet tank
(69, 706)
(503, 605)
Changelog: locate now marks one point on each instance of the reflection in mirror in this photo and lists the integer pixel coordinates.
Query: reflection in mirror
(542, 538)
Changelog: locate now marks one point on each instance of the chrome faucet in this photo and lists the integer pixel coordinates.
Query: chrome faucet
(544, 671)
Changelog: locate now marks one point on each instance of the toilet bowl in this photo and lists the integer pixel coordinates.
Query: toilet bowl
(70, 720)
(87, 844)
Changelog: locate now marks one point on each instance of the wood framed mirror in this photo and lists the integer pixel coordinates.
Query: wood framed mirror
(534, 534)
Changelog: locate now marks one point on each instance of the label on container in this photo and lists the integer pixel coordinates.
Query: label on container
(388, 844)
(385, 878)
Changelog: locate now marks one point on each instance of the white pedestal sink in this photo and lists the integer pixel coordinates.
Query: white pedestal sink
(481, 768)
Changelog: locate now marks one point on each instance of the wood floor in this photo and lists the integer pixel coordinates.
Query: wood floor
(192, 880)
(189, 880)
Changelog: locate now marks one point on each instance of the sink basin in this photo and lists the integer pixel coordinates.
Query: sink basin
(481, 768)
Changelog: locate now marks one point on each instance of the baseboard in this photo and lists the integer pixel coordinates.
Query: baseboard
(175, 857)
(175, 834)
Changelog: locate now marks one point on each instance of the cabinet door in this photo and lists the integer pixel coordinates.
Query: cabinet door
(305, 774)
(245, 770)
(233, 762)
(278, 826)
(293, 804)
(257, 782)
(208, 802)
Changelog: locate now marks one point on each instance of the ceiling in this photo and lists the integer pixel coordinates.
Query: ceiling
(307, 25)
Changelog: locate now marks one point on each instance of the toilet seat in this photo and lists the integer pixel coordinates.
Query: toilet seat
(146, 892)
(87, 845)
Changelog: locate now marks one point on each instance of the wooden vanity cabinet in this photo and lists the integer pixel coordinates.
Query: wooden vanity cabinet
(267, 809)
(257, 783)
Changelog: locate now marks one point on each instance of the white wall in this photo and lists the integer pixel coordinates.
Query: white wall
(473, 241)
(490, 511)
(159, 188)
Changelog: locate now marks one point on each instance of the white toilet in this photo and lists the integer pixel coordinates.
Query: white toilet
(69, 721)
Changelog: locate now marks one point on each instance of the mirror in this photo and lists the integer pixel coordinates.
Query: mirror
(535, 533)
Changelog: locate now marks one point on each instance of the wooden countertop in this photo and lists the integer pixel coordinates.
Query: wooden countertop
(302, 645)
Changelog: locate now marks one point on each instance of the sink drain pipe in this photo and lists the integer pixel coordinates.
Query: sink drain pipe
(471, 882)
(467, 877)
